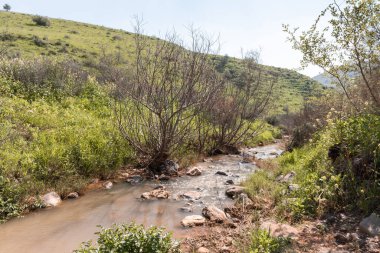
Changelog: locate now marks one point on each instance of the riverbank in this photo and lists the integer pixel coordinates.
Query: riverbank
(63, 228)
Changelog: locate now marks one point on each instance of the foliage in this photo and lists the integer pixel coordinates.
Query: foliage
(43, 77)
(347, 180)
(338, 169)
(260, 186)
(6, 7)
(83, 47)
(235, 111)
(41, 21)
(9, 200)
(169, 88)
(132, 238)
(54, 144)
(348, 46)
(263, 242)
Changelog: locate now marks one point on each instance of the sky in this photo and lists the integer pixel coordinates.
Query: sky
(240, 24)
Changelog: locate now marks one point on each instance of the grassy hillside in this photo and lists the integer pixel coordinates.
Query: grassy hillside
(86, 43)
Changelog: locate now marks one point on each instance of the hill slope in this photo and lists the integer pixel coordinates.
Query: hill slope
(85, 43)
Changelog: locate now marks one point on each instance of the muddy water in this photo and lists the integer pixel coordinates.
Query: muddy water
(63, 228)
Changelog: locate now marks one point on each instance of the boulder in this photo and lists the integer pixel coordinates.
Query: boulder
(202, 250)
(73, 195)
(193, 220)
(279, 230)
(51, 199)
(371, 225)
(214, 214)
(234, 191)
(108, 185)
(195, 171)
(193, 195)
(221, 173)
(159, 193)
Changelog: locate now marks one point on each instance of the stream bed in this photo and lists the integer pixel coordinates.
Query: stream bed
(63, 228)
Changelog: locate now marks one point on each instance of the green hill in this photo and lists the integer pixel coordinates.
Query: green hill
(86, 43)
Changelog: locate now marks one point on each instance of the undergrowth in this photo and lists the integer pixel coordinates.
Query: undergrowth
(48, 144)
(338, 170)
(131, 238)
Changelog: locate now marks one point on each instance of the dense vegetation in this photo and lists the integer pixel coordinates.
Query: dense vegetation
(84, 111)
(54, 144)
(61, 119)
(88, 43)
(332, 162)
(132, 238)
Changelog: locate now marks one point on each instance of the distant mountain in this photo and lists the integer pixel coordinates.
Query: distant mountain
(325, 79)
(328, 81)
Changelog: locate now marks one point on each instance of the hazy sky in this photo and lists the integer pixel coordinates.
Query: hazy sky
(247, 24)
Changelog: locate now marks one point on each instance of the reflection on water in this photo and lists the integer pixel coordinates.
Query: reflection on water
(63, 228)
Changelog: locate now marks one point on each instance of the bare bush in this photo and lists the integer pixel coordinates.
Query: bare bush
(43, 77)
(235, 111)
(169, 85)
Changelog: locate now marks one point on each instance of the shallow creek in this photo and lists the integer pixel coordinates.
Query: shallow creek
(63, 228)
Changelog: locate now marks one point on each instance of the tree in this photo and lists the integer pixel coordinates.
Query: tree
(6, 7)
(169, 84)
(349, 46)
(236, 109)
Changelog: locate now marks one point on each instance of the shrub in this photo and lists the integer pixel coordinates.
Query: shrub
(43, 77)
(9, 200)
(347, 180)
(262, 242)
(41, 21)
(39, 42)
(132, 238)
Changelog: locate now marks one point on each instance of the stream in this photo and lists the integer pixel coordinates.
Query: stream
(63, 228)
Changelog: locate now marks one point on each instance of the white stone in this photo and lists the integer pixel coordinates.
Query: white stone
(51, 199)
(108, 185)
(193, 220)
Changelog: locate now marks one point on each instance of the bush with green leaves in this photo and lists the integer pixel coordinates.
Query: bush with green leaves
(132, 238)
(41, 21)
(349, 180)
(262, 242)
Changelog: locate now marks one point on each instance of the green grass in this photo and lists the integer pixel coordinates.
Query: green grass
(55, 145)
(63, 38)
(86, 43)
